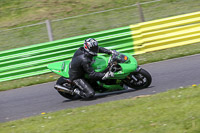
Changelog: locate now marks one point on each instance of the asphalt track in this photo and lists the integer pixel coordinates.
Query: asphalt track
(33, 100)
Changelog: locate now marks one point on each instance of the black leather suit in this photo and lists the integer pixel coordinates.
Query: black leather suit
(80, 65)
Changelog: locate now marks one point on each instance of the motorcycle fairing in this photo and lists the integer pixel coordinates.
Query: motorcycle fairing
(99, 64)
(61, 68)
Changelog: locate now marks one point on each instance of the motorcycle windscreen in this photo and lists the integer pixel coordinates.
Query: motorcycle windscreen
(130, 66)
(61, 68)
(99, 63)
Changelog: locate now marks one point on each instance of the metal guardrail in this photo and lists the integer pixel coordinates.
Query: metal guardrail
(135, 39)
(166, 33)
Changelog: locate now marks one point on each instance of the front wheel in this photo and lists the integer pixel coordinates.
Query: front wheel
(61, 81)
(139, 80)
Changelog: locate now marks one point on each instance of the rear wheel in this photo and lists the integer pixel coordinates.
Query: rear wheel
(139, 80)
(61, 81)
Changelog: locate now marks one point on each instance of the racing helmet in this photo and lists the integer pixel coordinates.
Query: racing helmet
(91, 46)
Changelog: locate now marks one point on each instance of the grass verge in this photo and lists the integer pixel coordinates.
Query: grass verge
(16, 13)
(142, 59)
(174, 111)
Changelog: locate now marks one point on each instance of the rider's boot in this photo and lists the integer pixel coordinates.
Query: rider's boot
(85, 90)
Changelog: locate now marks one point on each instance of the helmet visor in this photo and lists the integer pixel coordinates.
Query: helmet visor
(94, 50)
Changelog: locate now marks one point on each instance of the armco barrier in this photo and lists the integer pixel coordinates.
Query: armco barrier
(135, 39)
(166, 33)
(32, 60)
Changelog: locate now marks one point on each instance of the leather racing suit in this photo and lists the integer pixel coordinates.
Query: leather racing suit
(80, 65)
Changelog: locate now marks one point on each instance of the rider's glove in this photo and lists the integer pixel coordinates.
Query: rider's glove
(114, 52)
(107, 75)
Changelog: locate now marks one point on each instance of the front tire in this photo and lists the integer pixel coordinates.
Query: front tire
(61, 81)
(139, 80)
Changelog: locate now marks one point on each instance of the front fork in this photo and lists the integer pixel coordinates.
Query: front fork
(137, 70)
(132, 76)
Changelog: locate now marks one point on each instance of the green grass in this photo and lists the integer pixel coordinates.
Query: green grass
(142, 59)
(15, 13)
(174, 111)
(169, 53)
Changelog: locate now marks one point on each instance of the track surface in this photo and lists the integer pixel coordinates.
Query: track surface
(33, 100)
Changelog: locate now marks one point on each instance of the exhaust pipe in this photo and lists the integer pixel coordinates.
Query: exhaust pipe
(63, 89)
(66, 90)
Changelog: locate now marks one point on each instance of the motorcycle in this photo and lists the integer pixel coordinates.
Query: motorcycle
(127, 75)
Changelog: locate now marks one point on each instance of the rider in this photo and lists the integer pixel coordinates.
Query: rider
(81, 64)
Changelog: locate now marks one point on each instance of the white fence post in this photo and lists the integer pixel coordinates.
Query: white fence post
(49, 30)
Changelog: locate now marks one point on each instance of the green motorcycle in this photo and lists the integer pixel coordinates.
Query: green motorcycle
(127, 75)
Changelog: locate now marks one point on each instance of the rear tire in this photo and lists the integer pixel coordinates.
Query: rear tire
(139, 80)
(61, 81)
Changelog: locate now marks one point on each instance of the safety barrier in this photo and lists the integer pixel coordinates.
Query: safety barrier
(166, 33)
(135, 39)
